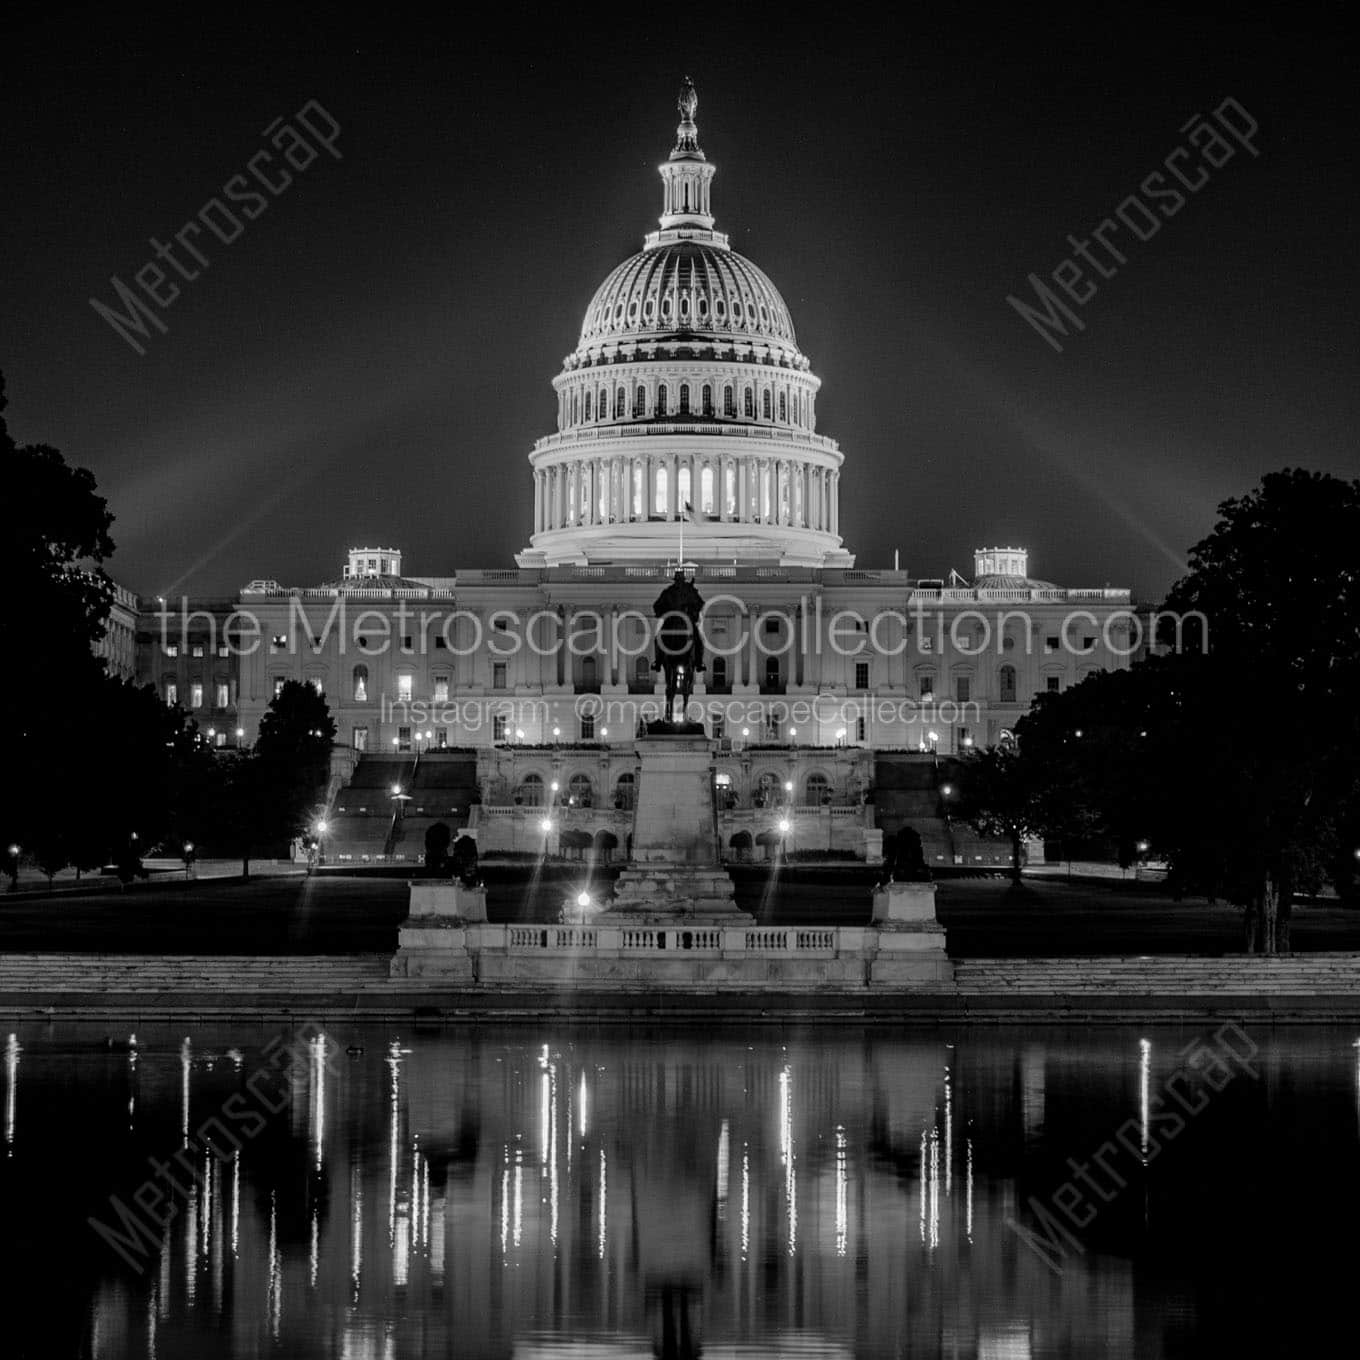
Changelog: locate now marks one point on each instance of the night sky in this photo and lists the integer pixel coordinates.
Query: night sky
(371, 360)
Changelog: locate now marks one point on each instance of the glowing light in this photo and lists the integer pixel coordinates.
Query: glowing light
(554, 786)
(12, 1051)
(745, 1200)
(604, 1204)
(546, 824)
(1144, 1081)
(583, 899)
(785, 826)
(724, 1156)
(582, 1101)
(947, 790)
(842, 1195)
(321, 827)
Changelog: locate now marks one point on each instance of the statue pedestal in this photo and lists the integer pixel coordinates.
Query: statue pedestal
(911, 941)
(433, 940)
(675, 869)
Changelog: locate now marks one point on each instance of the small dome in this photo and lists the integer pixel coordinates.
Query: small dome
(687, 288)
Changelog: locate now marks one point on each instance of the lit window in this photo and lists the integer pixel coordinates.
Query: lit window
(196, 649)
(315, 683)
(498, 722)
(171, 693)
(661, 502)
(441, 689)
(278, 685)
(172, 649)
(361, 684)
(706, 490)
(682, 488)
(224, 650)
(361, 739)
(219, 738)
(405, 684)
(403, 739)
(223, 694)
(530, 791)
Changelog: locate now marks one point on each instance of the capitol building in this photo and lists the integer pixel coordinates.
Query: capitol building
(506, 699)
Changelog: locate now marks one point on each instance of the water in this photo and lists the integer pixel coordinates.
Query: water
(544, 1191)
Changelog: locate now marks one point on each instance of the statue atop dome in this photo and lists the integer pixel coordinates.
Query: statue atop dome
(687, 135)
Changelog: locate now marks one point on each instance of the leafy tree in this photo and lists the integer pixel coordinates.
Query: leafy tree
(1002, 796)
(294, 755)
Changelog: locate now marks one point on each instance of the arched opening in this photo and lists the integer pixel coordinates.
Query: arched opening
(1006, 684)
(749, 404)
(707, 397)
(625, 791)
(662, 500)
(606, 842)
(706, 489)
(581, 791)
(817, 791)
(530, 791)
(361, 684)
(764, 405)
(729, 402)
(661, 397)
(684, 399)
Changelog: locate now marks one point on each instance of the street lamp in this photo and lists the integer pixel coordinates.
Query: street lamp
(583, 899)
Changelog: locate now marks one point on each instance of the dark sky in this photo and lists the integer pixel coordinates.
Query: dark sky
(370, 361)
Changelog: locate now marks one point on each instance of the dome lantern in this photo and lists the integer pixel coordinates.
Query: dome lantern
(687, 175)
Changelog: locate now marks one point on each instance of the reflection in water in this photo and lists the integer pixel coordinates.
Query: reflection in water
(522, 1195)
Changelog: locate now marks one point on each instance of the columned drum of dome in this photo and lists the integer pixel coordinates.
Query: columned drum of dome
(686, 400)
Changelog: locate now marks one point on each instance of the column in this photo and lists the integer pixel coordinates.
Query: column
(835, 503)
(742, 491)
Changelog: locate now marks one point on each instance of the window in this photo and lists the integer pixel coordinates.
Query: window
(1053, 683)
(927, 686)
(498, 726)
(729, 402)
(1050, 644)
(441, 689)
(783, 406)
(861, 675)
(661, 397)
(640, 401)
(661, 501)
(772, 670)
(360, 739)
(642, 671)
(498, 675)
(765, 404)
(683, 494)
(749, 404)
(620, 402)
(278, 642)
(706, 490)
(772, 623)
(405, 686)
(361, 684)
(196, 649)
(441, 643)
(860, 726)
(729, 490)
(587, 727)
(624, 791)
(963, 688)
(719, 727)
(580, 791)
(403, 739)
(1006, 684)
(818, 790)
(219, 738)
(223, 650)
(223, 694)
(590, 674)
(171, 693)
(684, 399)
(278, 685)
(707, 398)
(717, 673)
(172, 649)
(530, 791)
(587, 405)
(637, 490)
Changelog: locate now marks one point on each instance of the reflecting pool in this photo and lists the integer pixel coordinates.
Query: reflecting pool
(368, 1191)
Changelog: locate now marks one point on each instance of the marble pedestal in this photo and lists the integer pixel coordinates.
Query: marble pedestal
(433, 940)
(911, 941)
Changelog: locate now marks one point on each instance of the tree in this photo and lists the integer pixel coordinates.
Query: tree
(294, 756)
(1002, 796)
(56, 538)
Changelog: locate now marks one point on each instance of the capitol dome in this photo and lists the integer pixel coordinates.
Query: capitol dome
(689, 286)
(686, 402)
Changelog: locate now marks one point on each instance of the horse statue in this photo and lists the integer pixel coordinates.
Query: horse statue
(679, 641)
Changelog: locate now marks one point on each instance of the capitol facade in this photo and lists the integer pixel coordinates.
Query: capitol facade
(507, 699)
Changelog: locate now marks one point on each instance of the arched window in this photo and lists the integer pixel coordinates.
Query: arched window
(590, 673)
(1006, 677)
(640, 401)
(706, 490)
(772, 670)
(661, 400)
(625, 791)
(707, 396)
(764, 405)
(766, 500)
(784, 497)
(717, 673)
(587, 405)
(637, 491)
(729, 402)
(602, 405)
(683, 496)
(575, 408)
(620, 400)
(361, 684)
(580, 791)
(798, 496)
(729, 490)
(749, 404)
(783, 406)
(661, 502)
(530, 791)
(642, 671)
(684, 399)
(818, 790)
(571, 495)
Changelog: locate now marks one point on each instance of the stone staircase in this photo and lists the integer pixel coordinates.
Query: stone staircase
(1168, 975)
(145, 974)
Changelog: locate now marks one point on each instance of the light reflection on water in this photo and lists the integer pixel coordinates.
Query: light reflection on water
(534, 1192)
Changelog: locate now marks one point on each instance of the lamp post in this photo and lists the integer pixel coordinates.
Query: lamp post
(785, 827)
